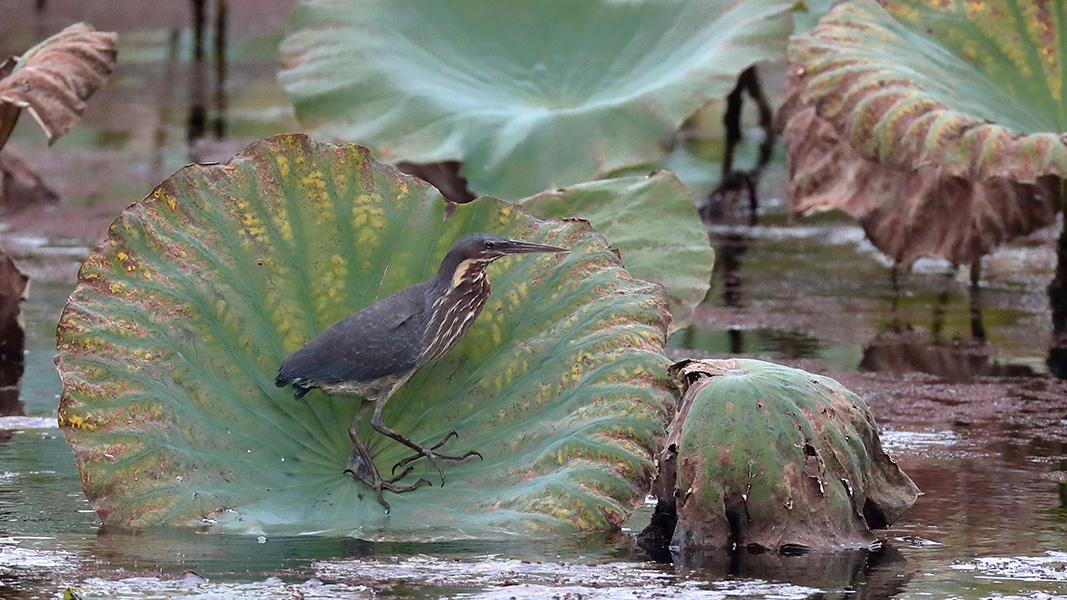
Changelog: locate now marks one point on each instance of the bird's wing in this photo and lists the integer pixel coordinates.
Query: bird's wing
(380, 340)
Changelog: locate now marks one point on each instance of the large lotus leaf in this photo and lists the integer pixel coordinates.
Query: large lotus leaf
(807, 13)
(54, 78)
(936, 124)
(654, 225)
(778, 457)
(169, 347)
(528, 94)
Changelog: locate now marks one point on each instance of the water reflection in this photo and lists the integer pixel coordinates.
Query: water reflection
(987, 484)
(779, 344)
(14, 286)
(730, 246)
(869, 575)
(175, 550)
(902, 349)
(198, 74)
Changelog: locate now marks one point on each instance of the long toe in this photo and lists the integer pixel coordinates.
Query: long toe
(402, 475)
(406, 488)
(427, 452)
(463, 456)
(405, 461)
(451, 434)
(433, 457)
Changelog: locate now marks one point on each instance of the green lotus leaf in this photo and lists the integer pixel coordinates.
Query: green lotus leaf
(169, 347)
(654, 225)
(807, 13)
(936, 124)
(529, 95)
(778, 457)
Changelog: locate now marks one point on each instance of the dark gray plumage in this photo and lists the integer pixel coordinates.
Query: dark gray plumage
(374, 351)
(362, 348)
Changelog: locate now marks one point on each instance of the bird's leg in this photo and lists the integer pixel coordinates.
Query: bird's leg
(366, 472)
(376, 422)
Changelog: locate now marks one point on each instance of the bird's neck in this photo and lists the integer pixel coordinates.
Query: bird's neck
(470, 268)
(455, 307)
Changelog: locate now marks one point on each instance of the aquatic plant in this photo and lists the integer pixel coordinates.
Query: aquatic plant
(169, 347)
(777, 458)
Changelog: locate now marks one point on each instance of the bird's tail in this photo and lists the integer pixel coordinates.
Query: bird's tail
(298, 390)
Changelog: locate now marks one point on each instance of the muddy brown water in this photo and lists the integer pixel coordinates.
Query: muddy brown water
(977, 424)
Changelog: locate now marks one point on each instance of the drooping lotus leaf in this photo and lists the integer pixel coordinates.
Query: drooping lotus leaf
(937, 125)
(169, 347)
(654, 225)
(54, 78)
(778, 457)
(529, 94)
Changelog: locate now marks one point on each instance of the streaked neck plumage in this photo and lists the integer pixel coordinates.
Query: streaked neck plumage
(461, 293)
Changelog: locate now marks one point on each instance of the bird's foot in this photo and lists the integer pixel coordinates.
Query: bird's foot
(359, 471)
(358, 468)
(370, 477)
(433, 457)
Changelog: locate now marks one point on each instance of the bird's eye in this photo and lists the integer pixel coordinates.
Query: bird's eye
(489, 245)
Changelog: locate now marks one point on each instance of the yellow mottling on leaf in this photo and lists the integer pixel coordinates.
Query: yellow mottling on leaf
(314, 179)
(366, 237)
(283, 165)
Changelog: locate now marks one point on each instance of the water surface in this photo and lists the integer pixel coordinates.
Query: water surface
(987, 449)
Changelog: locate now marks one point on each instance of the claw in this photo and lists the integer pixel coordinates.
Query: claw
(368, 475)
(451, 434)
(433, 457)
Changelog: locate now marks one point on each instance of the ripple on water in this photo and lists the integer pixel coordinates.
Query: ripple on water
(23, 423)
(14, 557)
(1050, 567)
(898, 440)
(196, 588)
(506, 578)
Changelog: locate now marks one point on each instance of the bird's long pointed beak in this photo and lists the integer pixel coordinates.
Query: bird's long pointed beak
(520, 247)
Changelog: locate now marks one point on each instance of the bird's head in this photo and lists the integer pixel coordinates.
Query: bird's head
(480, 249)
(485, 247)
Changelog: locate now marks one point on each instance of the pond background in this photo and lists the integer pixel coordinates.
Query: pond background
(979, 426)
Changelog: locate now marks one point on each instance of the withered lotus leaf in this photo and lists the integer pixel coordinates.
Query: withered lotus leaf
(938, 125)
(778, 458)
